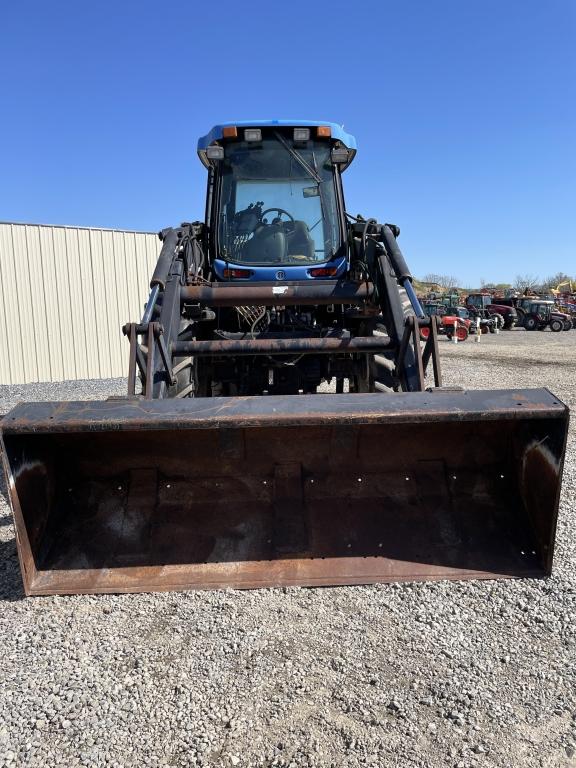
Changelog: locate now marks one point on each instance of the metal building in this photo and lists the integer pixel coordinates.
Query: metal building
(65, 293)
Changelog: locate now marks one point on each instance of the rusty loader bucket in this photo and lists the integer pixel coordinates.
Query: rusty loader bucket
(143, 495)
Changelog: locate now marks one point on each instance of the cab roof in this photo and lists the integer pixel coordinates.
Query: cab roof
(337, 131)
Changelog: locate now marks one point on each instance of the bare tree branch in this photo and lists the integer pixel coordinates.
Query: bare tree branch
(524, 282)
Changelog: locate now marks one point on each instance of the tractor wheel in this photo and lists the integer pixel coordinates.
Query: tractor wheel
(191, 379)
(380, 363)
(567, 325)
(556, 325)
(371, 371)
(493, 327)
(499, 320)
(462, 333)
(530, 323)
(184, 367)
(378, 374)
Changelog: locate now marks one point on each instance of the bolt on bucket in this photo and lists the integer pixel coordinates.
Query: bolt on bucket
(131, 495)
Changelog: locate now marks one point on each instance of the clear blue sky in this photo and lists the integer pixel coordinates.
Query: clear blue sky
(464, 112)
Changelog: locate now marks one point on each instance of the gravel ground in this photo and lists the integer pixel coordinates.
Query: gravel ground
(440, 674)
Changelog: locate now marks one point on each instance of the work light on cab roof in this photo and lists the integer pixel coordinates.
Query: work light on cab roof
(343, 144)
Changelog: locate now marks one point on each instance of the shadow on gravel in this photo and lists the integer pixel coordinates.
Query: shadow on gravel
(11, 589)
(6, 520)
(10, 578)
(3, 489)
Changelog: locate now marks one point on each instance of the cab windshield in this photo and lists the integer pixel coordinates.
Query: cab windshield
(480, 301)
(278, 203)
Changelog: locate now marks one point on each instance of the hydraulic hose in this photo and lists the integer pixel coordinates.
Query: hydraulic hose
(416, 306)
(401, 268)
(150, 304)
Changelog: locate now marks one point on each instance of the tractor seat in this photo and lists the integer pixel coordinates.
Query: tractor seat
(299, 241)
(268, 244)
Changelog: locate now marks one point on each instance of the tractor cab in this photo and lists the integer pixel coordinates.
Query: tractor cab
(479, 300)
(275, 202)
(540, 308)
(527, 303)
(433, 308)
(457, 311)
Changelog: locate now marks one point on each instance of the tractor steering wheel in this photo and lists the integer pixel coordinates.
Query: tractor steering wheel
(278, 210)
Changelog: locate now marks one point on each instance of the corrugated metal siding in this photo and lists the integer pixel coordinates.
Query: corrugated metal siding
(65, 293)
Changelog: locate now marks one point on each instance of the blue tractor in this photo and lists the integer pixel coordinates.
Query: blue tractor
(286, 287)
(225, 466)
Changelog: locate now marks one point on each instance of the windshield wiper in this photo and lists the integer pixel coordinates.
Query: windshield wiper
(310, 171)
(298, 157)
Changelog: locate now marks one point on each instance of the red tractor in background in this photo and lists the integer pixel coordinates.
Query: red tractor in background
(450, 318)
(560, 320)
(506, 316)
(538, 315)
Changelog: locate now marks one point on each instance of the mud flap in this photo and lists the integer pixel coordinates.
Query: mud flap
(127, 496)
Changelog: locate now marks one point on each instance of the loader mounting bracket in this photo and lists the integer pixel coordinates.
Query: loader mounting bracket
(153, 332)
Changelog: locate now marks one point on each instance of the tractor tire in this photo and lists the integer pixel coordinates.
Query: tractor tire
(378, 376)
(405, 301)
(530, 323)
(499, 319)
(462, 333)
(185, 385)
(374, 370)
(567, 325)
(192, 378)
(556, 326)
